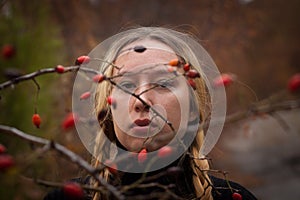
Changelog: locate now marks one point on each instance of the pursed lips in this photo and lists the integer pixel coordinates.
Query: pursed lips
(141, 127)
(142, 122)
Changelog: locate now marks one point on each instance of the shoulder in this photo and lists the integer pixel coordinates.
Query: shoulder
(221, 190)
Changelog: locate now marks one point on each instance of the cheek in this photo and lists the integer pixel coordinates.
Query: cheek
(177, 106)
(172, 108)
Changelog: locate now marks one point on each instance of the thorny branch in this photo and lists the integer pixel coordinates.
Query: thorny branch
(40, 72)
(65, 152)
(255, 109)
(81, 163)
(59, 184)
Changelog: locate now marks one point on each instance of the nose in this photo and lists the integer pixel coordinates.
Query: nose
(143, 100)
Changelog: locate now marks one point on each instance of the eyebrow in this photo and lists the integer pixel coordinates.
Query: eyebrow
(153, 67)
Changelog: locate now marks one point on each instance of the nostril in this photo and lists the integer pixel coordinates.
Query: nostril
(141, 107)
(143, 99)
(146, 108)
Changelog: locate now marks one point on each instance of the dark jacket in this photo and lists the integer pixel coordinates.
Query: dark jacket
(219, 192)
(180, 182)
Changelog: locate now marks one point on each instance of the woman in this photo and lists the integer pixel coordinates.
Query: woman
(153, 103)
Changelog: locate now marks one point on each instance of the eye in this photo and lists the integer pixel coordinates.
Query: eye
(127, 85)
(165, 83)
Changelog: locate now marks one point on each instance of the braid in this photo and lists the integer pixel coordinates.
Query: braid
(104, 174)
(200, 178)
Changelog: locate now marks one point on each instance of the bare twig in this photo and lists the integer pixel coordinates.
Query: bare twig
(40, 72)
(65, 152)
(59, 184)
(265, 108)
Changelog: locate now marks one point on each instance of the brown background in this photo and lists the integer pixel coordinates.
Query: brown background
(258, 41)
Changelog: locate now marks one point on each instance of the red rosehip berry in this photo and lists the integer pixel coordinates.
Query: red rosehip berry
(186, 67)
(73, 191)
(99, 78)
(69, 121)
(237, 196)
(60, 69)
(224, 79)
(174, 62)
(142, 156)
(82, 60)
(111, 101)
(8, 51)
(85, 95)
(2, 149)
(165, 151)
(6, 162)
(192, 83)
(36, 120)
(193, 74)
(294, 83)
(112, 167)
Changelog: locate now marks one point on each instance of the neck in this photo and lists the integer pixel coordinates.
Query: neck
(177, 176)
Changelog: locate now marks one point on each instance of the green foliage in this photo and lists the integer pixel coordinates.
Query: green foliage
(36, 38)
(38, 45)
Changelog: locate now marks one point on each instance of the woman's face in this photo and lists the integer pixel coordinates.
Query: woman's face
(146, 75)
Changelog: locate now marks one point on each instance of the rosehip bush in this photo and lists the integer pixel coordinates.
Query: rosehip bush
(73, 191)
(2, 149)
(69, 121)
(113, 168)
(82, 60)
(224, 79)
(142, 156)
(8, 51)
(6, 162)
(164, 151)
(85, 95)
(36, 120)
(99, 78)
(174, 62)
(60, 69)
(237, 196)
(294, 83)
(111, 101)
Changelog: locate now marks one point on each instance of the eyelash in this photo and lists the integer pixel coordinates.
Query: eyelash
(163, 84)
(127, 85)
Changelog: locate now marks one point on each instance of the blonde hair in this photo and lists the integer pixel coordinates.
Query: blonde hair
(179, 43)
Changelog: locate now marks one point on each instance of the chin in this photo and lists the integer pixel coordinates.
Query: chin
(134, 144)
(157, 142)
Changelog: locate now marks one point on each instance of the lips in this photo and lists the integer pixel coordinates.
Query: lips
(142, 122)
(143, 128)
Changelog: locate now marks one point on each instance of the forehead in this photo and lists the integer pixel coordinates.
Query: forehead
(156, 52)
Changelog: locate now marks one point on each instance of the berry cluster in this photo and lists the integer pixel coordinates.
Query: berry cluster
(225, 79)
(75, 191)
(141, 157)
